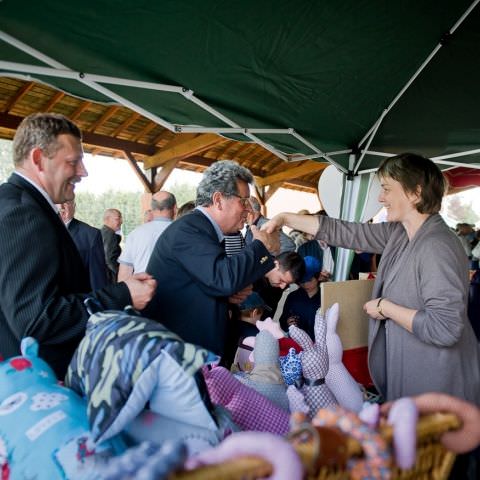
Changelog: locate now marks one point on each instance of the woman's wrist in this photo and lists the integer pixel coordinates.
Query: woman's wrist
(379, 308)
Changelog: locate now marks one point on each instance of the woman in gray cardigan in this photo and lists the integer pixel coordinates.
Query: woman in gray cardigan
(420, 339)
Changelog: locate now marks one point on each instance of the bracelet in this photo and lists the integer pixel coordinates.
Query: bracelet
(379, 308)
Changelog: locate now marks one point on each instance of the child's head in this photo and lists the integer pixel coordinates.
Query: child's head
(252, 308)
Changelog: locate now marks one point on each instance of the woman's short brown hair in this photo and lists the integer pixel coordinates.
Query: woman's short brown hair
(413, 171)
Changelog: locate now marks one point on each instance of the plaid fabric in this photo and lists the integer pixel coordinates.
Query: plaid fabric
(249, 409)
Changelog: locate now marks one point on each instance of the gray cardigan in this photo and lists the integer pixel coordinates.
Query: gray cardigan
(428, 274)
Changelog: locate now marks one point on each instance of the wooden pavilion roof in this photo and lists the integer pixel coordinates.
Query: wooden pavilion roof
(117, 131)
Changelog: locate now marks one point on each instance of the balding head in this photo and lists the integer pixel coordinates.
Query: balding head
(112, 218)
(164, 204)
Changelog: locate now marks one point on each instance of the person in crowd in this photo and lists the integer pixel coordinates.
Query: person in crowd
(89, 242)
(251, 310)
(140, 242)
(466, 234)
(320, 250)
(197, 277)
(112, 222)
(420, 339)
(43, 282)
(302, 304)
(255, 217)
(147, 216)
(185, 208)
(289, 268)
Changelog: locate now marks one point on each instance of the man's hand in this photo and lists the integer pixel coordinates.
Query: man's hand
(142, 286)
(270, 240)
(274, 224)
(239, 297)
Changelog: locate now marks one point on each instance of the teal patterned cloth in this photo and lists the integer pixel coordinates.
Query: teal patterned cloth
(117, 349)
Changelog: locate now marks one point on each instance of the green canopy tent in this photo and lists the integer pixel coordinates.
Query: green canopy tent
(343, 81)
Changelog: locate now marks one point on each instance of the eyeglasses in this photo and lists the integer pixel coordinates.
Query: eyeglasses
(245, 201)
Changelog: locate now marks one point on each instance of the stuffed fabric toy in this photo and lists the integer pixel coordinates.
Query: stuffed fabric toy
(314, 365)
(266, 377)
(44, 430)
(249, 409)
(291, 367)
(338, 379)
(126, 361)
(403, 417)
(147, 461)
(277, 451)
(153, 427)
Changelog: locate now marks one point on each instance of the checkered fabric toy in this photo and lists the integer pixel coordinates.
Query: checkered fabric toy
(314, 365)
(249, 409)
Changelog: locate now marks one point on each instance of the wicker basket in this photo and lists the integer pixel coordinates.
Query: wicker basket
(434, 462)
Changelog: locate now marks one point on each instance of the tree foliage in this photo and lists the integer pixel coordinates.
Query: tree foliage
(461, 211)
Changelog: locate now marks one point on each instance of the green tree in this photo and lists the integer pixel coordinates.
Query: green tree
(184, 192)
(460, 211)
(90, 207)
(6, 161)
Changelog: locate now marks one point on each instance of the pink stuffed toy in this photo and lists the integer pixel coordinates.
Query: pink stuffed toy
(314, 365)
(403, 417)
(249, 409)
(338, 379)
(274, 449)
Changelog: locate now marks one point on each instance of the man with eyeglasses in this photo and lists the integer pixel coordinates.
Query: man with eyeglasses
(196, 278)
(256, 218)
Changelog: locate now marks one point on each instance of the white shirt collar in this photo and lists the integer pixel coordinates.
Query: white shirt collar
(40, 189)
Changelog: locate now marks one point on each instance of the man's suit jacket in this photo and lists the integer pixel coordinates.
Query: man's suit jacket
(111, 246)
(195, 278)
(89, 242)
(43, 282)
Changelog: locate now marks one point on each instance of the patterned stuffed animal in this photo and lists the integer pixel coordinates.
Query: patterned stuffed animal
(266, 377)
(44, 429)
(249, 409)
(314, 365)
(338, 379)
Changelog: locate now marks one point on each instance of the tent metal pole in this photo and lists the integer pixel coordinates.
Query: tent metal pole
(313, 147)
(375, 126)
(108, 93)
(74, 75)
(231, 130)
(298, 158)
(455, 155)
(347, 212)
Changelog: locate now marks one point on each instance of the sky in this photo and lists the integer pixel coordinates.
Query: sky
(100, 179)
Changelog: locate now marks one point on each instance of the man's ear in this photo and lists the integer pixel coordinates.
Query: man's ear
(217, 200)
(37, 158)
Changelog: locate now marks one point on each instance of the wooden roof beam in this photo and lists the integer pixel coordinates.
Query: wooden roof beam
(132, 118)
(300, 171)
(94, 139)
(162, 176)
(80, 109)
(108, 114)
(53, 101)
(183, 146)
(138, 172)
(18, 96)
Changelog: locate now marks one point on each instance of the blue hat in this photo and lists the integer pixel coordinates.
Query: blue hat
(254, 300)
(312, 268)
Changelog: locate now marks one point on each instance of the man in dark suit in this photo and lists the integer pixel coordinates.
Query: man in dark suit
(112, 221)
(89, 242)
(196, 277)
(43, 282)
